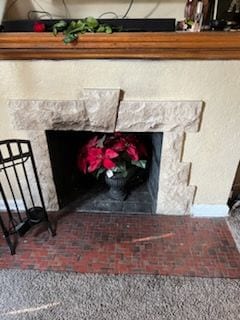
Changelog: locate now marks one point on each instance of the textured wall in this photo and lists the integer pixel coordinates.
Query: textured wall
(214, 151)
(83, 8)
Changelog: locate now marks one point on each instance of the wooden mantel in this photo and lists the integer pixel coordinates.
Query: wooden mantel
(148, 45)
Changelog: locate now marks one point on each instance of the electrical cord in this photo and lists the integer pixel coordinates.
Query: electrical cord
(152, 11)
(67, 12)
(42, 11)
(128, 9)
(114, 13)
(31, 11)
(108, 12)
(44, 14)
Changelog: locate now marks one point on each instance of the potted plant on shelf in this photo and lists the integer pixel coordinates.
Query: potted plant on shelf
(115, 155)
(72, 29)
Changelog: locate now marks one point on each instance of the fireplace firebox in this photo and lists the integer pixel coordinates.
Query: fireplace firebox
(83, 192)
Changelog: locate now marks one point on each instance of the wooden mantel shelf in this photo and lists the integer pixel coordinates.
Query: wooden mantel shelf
(147, 45)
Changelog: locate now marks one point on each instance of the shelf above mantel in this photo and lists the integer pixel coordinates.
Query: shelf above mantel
(147, 45)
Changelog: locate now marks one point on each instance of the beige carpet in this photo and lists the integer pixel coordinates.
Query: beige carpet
(47, 295)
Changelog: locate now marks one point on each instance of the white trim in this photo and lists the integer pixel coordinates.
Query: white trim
(210, 210)
(11, 205)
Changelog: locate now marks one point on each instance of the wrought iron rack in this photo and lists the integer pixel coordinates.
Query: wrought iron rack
(19, 182)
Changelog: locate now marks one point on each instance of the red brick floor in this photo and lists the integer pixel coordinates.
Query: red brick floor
(132, 244)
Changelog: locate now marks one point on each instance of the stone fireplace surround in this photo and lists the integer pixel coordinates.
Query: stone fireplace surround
(103, 110)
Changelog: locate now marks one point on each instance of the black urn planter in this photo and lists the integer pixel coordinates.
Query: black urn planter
(117, 184)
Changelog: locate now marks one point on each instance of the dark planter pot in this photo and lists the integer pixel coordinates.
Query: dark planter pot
(117, 184)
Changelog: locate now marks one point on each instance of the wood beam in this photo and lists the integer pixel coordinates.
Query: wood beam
(129, 45)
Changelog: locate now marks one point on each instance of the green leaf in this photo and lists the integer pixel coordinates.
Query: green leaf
(70, 38)
(101, 28)
(92, 22)
(59, 26)
(100, 171)
(55, 31)
(72, 29)
(121, 167)
(76, 30)
(124, 173)
(73, 25)
(81, 25)
(108, 29)
(140, 163)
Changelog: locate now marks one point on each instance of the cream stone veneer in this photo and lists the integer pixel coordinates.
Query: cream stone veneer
(101, 110)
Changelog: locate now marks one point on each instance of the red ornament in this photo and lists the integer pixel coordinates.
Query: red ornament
(39, 27)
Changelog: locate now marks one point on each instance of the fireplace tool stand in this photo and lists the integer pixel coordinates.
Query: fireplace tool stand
(19, 181)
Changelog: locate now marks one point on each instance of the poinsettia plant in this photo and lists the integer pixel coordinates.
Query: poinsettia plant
(112, 153)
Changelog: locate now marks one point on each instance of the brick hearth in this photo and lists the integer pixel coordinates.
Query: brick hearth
(133, 244)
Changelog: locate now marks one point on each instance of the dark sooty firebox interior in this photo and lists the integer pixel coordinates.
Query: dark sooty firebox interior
(85, 193)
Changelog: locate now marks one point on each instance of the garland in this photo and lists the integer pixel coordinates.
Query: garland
(71, 30)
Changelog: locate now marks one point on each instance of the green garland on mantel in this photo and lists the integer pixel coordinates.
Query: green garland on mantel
(71, 30)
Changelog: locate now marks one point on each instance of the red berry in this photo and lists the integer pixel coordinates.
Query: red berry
(39, 27)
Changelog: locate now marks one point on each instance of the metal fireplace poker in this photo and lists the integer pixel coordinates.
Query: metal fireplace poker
(19, 180)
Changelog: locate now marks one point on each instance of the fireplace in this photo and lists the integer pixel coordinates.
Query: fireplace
(104, 110)
(83, 192)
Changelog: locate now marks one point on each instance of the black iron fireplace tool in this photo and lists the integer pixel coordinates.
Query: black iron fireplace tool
(19, 182)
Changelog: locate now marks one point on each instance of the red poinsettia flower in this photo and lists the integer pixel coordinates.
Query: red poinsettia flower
(92, 142)
(94, 159)
(119, 145)
(98, 157)
(83, 154)
(140, 147)
(107, 162)
(122, 144)
(82, 160)
(113, 151)
(132, 152)
(39, 27)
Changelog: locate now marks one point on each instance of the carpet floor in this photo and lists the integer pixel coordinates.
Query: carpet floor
(30, 294)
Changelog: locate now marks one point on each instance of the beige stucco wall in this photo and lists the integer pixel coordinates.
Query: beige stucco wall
(214, 150)
(84, 8)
